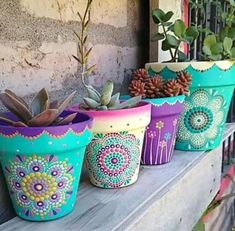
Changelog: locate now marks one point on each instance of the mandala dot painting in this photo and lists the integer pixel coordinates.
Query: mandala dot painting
(202, 119)
(113, 159)
(40, 186)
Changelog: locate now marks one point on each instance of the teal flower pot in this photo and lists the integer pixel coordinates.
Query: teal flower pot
(42, 167)
(201, 126)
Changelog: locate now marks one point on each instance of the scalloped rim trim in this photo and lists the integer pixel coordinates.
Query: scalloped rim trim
(169, 103)
(201, 66)
(45, 132)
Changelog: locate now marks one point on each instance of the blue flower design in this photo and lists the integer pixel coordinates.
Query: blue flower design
(167, 136)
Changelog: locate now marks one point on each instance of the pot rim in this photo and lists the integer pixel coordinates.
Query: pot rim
(141, 106)
(198, 65)
(59, 130)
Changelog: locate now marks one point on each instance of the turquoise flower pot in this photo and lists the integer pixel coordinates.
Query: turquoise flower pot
(42, 167)
(201, 126)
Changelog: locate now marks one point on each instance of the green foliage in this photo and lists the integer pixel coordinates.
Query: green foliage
(220, 46)
(41, 111)
(106, 100)
(174, 34)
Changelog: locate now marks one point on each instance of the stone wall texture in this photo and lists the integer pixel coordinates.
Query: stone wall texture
(37, 42)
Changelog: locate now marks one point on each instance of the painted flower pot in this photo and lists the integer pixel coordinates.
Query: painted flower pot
(113, 156)
(202, 123)
(42, 166)
(159, 141)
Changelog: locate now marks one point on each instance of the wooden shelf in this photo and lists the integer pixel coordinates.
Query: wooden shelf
(167, 197)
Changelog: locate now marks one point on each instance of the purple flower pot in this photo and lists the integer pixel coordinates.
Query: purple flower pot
(160, 136)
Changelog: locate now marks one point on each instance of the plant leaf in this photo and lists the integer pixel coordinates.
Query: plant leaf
(132, 102)
(9, 92)
(227, 44)
(91, 103)
(158, 16)
(93, 94)
(114, 100)
(206, 50)
(165, 45)
(64, 104)
(4, 118)
(44, 119)
(16, 107)
(172, 41)
(106, 93)
(217, 49)
(179, 28)
(157, 37)
(40, 102)
(233, 53)
(68, 119)
(192, 32)
(182, 57)
(209, 41)
(167, 16)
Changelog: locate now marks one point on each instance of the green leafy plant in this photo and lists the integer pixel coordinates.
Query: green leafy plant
(96, 100)
(41, 111)
(173, 34)
(221, 45)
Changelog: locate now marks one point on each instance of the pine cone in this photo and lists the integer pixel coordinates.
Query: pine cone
(136, 88)
(154, 87)
(140, 74)
(184, 79)
(172, 88)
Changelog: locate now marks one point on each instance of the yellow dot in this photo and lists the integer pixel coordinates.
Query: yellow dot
(38, 174)
(32, 198)
(23, 184)
(37, 199)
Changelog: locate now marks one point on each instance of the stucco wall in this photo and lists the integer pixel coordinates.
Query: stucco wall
(37, 43)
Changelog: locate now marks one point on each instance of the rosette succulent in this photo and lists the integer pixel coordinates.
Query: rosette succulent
(106, 100)
(156, 87)
(96, 100)
(41, 111)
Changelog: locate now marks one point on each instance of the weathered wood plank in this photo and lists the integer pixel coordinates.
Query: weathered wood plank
(6, 210)
(158, 188)
(153, 46)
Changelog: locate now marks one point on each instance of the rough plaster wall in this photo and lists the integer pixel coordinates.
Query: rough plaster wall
(37, 43)
(176, 7)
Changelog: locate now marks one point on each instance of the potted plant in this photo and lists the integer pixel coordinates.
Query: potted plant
(202, 123)
(167, 100)
(113, 157)
(42, 150)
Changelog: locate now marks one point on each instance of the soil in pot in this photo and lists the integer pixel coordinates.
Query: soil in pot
(42, 167)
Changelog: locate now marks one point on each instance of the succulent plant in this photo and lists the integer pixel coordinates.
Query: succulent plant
(41, 112)
(173, 34)
(96, 100)
(155, 87)
(106, 100)
(219, 45)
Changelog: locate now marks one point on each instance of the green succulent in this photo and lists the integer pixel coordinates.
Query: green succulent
(173, 35)
(220, 47)
(106, 100)
(41, 112)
